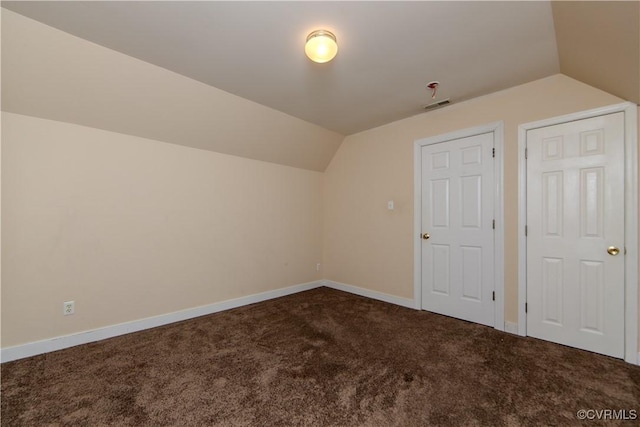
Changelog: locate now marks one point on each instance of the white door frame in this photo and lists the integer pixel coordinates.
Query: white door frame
(498, 257)
(631, 217)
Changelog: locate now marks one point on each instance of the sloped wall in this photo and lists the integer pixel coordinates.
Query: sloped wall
(50, 74)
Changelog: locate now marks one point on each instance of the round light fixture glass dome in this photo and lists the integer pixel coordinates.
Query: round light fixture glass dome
(321, 46)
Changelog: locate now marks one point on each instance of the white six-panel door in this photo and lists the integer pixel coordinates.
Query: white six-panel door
(457, 215)
(575, 225)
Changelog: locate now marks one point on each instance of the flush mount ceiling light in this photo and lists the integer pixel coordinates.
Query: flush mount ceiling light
(321, 46)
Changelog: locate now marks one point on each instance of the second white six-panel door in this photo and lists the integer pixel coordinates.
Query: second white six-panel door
(457, 214)
(575, 236)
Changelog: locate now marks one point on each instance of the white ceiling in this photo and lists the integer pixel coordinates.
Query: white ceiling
(388, 51)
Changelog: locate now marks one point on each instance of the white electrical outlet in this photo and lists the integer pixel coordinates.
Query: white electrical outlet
(69, 307)
(318, 267)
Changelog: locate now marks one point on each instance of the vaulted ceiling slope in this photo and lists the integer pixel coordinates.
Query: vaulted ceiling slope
(388, 51)
(232, 76)
(599, 44)
(51, 74)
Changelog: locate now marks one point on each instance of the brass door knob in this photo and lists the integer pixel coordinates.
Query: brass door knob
(425, 236)
(612, 250)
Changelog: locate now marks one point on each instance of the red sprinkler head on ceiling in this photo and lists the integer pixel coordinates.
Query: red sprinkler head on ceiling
(434, 88)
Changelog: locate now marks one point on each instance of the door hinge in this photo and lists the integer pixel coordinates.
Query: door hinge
(493, 295)
(494, 224)
(526, 307)
(526, 231)
(526, 153)
(493, 152)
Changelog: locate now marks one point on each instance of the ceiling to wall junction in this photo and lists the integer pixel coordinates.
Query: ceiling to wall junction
(222, 63)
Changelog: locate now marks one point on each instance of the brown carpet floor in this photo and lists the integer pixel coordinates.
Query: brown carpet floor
(317, 358)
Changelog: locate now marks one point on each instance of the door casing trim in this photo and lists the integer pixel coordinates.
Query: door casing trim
(498, 258)
(631, 217)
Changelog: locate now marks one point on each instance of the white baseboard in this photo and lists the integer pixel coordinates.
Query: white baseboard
(511, 327)
(58, 343)
(392, 299)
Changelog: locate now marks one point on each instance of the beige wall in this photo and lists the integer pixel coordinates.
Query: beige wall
(369, 246)
(131, 227)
